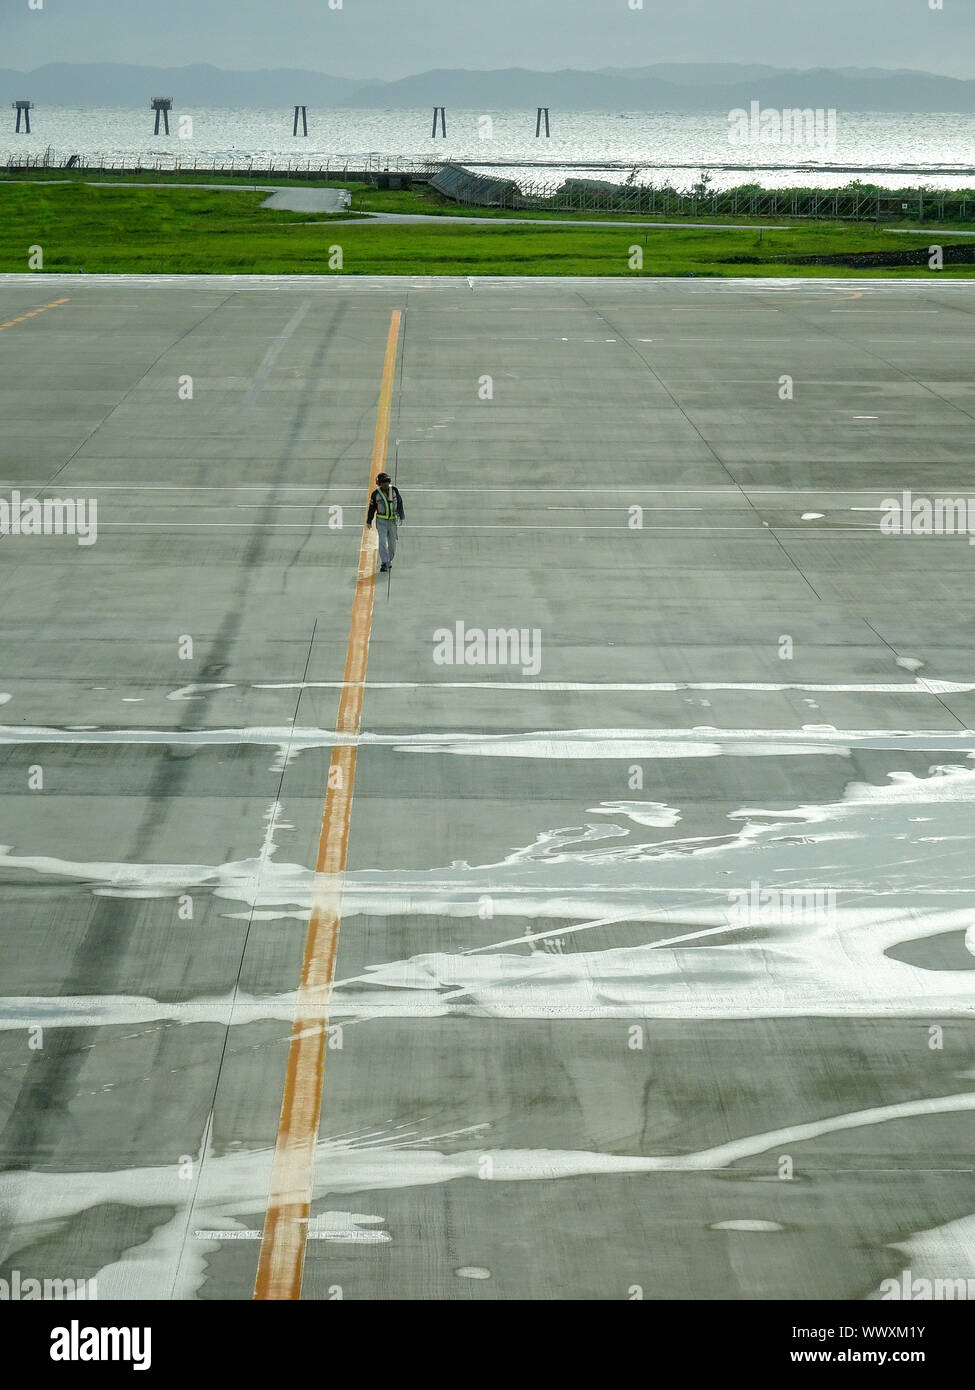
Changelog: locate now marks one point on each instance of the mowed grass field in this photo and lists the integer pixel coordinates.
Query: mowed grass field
(114, 230)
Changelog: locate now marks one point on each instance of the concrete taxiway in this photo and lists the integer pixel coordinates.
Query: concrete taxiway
(654, 948)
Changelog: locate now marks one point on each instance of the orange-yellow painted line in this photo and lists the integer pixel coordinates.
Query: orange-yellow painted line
(282, 1256)
(31, 314)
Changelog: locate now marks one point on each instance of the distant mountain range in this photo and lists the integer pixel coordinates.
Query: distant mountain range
(662, 87)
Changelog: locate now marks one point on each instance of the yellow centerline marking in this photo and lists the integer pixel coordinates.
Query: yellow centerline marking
(12, 323)
(282, 1256)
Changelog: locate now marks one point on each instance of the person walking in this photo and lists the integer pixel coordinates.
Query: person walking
(386, 505)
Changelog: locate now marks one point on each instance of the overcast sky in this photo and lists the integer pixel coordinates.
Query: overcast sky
(395, 38)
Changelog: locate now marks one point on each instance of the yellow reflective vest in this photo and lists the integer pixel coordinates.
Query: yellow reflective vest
(386, 506)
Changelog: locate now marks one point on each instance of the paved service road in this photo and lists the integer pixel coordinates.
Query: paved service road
(654, 949)
(308, 199)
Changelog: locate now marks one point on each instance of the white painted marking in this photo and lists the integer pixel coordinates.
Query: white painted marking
(414, 526)
(653, 813)
(922, 686)
(746, 1224)
(725, 490)
(197, 692)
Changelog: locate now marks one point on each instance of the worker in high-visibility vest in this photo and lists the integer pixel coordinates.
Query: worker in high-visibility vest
(386, 505)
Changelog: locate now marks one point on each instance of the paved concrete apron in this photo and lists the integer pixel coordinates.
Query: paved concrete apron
(655, 967)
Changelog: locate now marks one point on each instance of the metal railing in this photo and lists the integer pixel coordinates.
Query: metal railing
(337, 166)
(863, 205)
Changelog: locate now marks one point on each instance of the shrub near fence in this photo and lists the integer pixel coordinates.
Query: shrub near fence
(864, 204)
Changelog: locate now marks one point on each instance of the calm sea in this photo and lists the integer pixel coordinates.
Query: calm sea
(665, 147)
